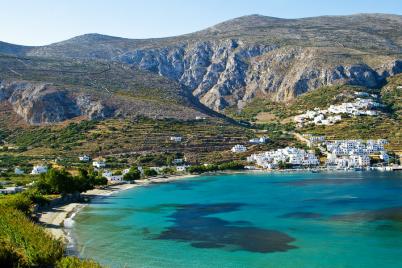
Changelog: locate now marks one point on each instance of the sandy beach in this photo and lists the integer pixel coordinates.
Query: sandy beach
(55, 219)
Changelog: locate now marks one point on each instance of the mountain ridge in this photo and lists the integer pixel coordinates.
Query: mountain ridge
(233, 62)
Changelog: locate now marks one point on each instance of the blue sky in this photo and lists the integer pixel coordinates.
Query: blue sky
(39, 22)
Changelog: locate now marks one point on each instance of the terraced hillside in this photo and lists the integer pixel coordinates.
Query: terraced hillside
(115, 137)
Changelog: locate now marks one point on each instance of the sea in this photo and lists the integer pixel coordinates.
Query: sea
(249, 220)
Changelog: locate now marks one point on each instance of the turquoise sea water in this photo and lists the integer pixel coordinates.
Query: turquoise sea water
(351, 219)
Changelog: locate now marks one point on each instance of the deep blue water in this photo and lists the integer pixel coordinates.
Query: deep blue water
(348, 219)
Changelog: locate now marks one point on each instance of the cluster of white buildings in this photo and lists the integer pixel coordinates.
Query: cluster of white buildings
(317, 117)
(288, 155)
(354, 153)
(359, 107)
(332, 115)
(239, 148)
(358, 147)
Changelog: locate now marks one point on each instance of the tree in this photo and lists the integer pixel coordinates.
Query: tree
(150, 172)
(168, 170)
(132, 175)
(61, 182)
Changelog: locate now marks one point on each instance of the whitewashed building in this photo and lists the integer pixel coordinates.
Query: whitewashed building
(39, 169)
(289, 155)
(182, 168)
(238, 148)
(84, 158)
(176, 138)
(261, 140)
(99, 164)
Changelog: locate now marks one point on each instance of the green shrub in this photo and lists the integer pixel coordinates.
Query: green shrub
(10, 257)
(74, 262)
(150, 172)
(20, 201)
(25, 243)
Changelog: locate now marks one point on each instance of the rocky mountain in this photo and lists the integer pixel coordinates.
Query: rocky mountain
(44, 91)
(255, 56)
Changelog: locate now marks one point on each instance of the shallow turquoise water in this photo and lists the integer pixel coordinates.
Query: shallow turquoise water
(298, 220)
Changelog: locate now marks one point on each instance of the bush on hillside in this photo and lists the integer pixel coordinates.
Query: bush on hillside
(24, 243)
(74, 262)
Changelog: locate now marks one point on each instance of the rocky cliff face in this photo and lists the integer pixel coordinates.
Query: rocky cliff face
(40, 103)
(230, 72)
(213, 71)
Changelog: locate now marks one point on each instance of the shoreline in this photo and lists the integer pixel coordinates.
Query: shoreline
(58, 219)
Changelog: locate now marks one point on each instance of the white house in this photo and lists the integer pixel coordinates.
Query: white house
(84, 158)
(316, 139)
(384, 156)
(18, 171)
(238, 148)
(260, 140)
(364, 160)
(99, 164)
(176, 138)
(38, 170)
(115, 178)
(182, 168)
(112, 178)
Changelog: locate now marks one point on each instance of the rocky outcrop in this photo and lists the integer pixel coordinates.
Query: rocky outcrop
(230, 72)
(211, 70)
(41, 103)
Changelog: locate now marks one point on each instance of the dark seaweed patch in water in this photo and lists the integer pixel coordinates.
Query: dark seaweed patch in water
(302, 215)
(390, 214)
(307, 182)
(193, 224)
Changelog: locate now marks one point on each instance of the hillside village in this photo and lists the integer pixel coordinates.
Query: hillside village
(364, 105)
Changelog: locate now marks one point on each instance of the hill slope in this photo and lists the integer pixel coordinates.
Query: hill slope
(231, 63)
(48, 91)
